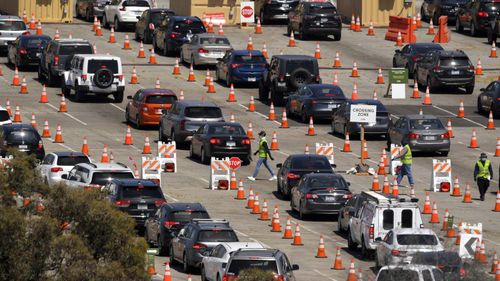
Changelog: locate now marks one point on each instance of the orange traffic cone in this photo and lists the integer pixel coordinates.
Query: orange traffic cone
(351, 276)
(134, 79)
(17, 115)
(62, 105)
(353, 23)
(473, 140)
(25, 17)
(98, 30)
(479, 68)
(177, 69)
(104, 156)
(415, 93)
(141, 53)
(374, 95)
(430, 30)
(249, 44)
(386, 188)
(450, 129)
(384, 155)
(33, 120)
(364, 152)
(157, 83)
(94, 25)
(251, 106)
(337, 263)
(24, 86)
(371, 30)
(354, 72)
(445, 220)
(256, 205)
(414, 23)
(306, 149)
(85, 146)
(15, 78)
(233, 184)
(460, 229)
(264, 214)
(250, 131)
(58, 138)
(427, 205)
(112, 38)
(288, 230)
(152, 57)
(207, 78)
(39, 30)
(274, 142)
(284, 120)
(434, 215)
(419, 20)
(317, 52)
(43, 97)
(477, 252)
(493, 52)
(211, 86)
(337, 63)
(491, 123)
(482, 253)
(147, 146)
(1, 70)
(320, 253)
(264, 51)
(335, 79)
(420, 111)
(399, 40)
(168, 275)
(240, 195)
(94, 49)
(46, 130)
(375, 183)
(347, 143)
(128, 137)
(32, 22)
(181, 95)
(297, 239)
(497, 149)
(494, 263)
(456, 189)
(251, 199)
(126, 43)
(467, 195)
(358, 25)
(57, 36)
(461, 110)
(291, 40)
(275, 224)
(497, 203)
(395, 188)
(210, 28)
(380, 77)
(271, 116)
(221, 30)
(258, 27)
(427, 97)
(191, 77)
(232, 96)
(381, 165)
(354, 95)
(310, 130)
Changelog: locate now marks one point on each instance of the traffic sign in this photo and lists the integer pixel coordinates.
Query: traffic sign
(234, 163)
(363, 113)
(247, 12)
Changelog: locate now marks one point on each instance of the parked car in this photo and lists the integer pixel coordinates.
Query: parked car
(269, 10)
(55, 164)
(139, 198)
(315, 19)
(214, 264)
(400, 245)
(26, 50)
(220, 139)
(433, 9)
(147, 106)
(98, 74)
(341, 119)
(370, 216)
(476, 16)
(240, 66)
(185, 118)
(318, 193)
(122, 13)
(10, 28)
(22, 137)
(296, 166)
(272, 260)
(174, 31)
(54, 59)
(88, 9)
(96, 175)
(411, 54)
(449, 262)
(197, 239)
(421, 132)
(285, 75)
(169, 219)
(204, 49)
(410, 272)
(445, 68)
(489, 99)
(4, 116)
(148, 21)
(315, 100)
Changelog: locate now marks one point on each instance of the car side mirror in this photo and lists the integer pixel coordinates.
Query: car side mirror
(333, 166)
(129, 97)
(279, 165)
(482, 89)
(219, 59)
(295, 267)
(397, 51)
(348, 183)
(138, 17)
(64, 176)
(378, 239)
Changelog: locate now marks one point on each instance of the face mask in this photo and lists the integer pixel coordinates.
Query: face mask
(482, 159)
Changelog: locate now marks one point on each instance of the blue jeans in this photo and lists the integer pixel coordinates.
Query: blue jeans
(405, 170)
(259, 163)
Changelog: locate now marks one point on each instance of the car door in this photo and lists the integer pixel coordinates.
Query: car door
(192, 47)
(355, 225)
(111, 10)
(344, 215)
(283, 171)
(287, 268)
(136, 105)
(141, 24)
(383, 248)
(488, 96)
(216, 261)
(297, 192)
(184, 242)
(197, 140)
(161, 33)
(171, 117)
(46, 165)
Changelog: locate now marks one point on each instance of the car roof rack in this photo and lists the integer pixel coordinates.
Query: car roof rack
(388, 199)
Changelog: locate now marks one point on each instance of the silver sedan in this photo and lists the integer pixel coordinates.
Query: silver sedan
(205, 49)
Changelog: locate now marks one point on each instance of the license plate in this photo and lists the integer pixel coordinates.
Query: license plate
(142, 207)
(318, 23)
(38, 55)
(230, 143)
(286, 6)
(429, 137)
(23, 146)
(329, 198)
(252, 79)
(281, 84)
(455, 72)
(324, 20)
(330, 106)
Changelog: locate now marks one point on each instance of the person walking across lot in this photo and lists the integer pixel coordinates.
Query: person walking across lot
(482, 174)
(264, 153)
(406, 161)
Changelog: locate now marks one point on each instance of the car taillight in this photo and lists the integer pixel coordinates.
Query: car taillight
(318, 78)
(203, 51)
(311, 196)
(413, 136)
(157, 181)
(174, 34)
(347, 196)
(214, 141)
(395, 253)
(23, 51)
(437, 69)
(235, 65)
(145, 109)
(84, 77)
(482, 14)
(26, 33)
(160, 202)
(292, 176)
(123, 8)
(462, 272)
(199, 246)
(56, 169)
(498, 99)
(40, 144)
(415, 58)
(471, 68)
(371, 231)
(279, 277)
(245, 141)
(182, 124)
(120, 77)
(169, 224)
(122, 203)
(229, 277)
(445, 136)
(56, 60)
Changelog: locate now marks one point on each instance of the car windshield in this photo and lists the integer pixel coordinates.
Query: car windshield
(321, 8)
(22, 136)
(12, 25)
(4, 115)
(264, 265)
(136, 3)
(101, 178)
(75, 49)
(141, 192)
(397, 275)
(217, 235)
(426, 124)
(327, 92)
(417, 239)
(249, 59)
(316, 163)
(187, 216)
(226, 130)
(203, 112)
(95, 65)
(71, 160)
(214, 41)
(188, 25)
(156, 18)
(454, 62)
(36, 42)
(323, 183)
(422, 49)
(160, 99)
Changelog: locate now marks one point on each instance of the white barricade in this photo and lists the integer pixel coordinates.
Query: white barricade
(327, 150)
(441, 173)
(395, 150)
(167, 153)
(220, 173)
(470, 235)
(151, 169)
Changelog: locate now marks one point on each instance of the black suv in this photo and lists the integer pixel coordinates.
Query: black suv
(433, 9)
(197, 239)
(268, 10)
(315, 18)
(445, 68)
(286, 74)
(23, 137)
(53, 59)
(140, 198)
(169, 220)
(174, 31)
(476, 15)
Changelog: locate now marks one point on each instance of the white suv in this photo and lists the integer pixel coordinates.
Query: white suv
(56, 164)
(10, 28)
(4, 117)
(100, 74)
(96, 175)
(124, 12)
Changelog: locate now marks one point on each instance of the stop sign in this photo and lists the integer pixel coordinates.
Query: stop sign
(234, 163)
(247, 11)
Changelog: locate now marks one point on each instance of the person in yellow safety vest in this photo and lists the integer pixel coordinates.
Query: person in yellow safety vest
(483, 173)
(406, 161)
(264, 153)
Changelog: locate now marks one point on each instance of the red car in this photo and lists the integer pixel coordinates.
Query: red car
(147, 105)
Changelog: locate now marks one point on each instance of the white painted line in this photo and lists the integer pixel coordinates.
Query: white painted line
(475, 148)
(472, 121)
(204, 180)
(174, 199)
(324, 275)
(117, 107)
(67, 114)
(281, 152)
(63, 145)
(491, 241)
(240, 233)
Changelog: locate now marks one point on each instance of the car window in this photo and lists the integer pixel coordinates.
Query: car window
(316, 163)
(417, 239)
(156, 18)
(71, 160)
(136, 3)
(407, 218)
(396, 274)
(426, 124)
(323, 183)
(12, 25)
(231, 130)
(291, 65)
(186, 26)
(161, 99)
(214, 41)
(203, 112)
(426, 48)
(249, 59)
(426, 274)
(141, 192)
(388, 219)
(453, 62)
(187, 231)
(438, 275)
(265, 265)
(321, 8)
(217, 235)
(406, 49)
(327, 92)
(389, 238)
(4, 115)
(94, 65)
(48, 159)
(35, 42)
(137, 96)
(101, 178)
(75, 49)
(222, 251)
(22, 136)
(186, 216)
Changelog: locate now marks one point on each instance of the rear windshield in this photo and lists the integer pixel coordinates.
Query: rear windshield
(141, 192)
(217, 235)
(71, 160)
(327, 92)
(137, 3)
(4, 115)
(75, 49)
(417, 239)
(310, 163)
(323, 8)
(493, 3)
(397, 275)
(102, 178)
(307, 64)
(322, 183)
(188, 25)
(250, 59)
(160, 99)
(186, 216)
(226, 130)
(12, 25)
(22, 136)
(35, 42)
(95, 65)
(424, 49)
(203, 112)
(214, 41)
(454, 62)
(239, 265)
(426, 124)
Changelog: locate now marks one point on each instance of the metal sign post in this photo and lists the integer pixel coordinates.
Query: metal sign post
(363, 114)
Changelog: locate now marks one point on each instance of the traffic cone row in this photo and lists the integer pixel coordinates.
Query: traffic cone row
(288, 230)
(479, 68)
(430, 30)
(310, 130)
(321, 253)
(181, 95)
(364, 152)
(493, 52)
(24, 86)
(25, 17)
(351, 276)
(17, 115)
(191, 77)
(210, 28)
(233, 184)
(221, 30)
(275, 224)
(32, 22)
(128, 137)
(39, 30)
(399, 40)
(445, 220)
(335, 79)
(207, 78)
(317, 52)
(46, 130)
(374, 95)
(354, 72)
(291, 40)
(98, 29)
(104, 155)
(33, 120)
(264, 51)
(15, 78)
(211, 86)
(152, 57)
(297, 239)
(57, 36)
(258, 27)
(357, 27)
(249, 44)
(395, 188)
(157, 83)
(306, 149)
(354, 94)
(497, 202)
(353, 23)
(415, 92)
(434, 215)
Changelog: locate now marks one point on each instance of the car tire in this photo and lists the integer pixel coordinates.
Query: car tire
(337, 37)
(351, 244)
(479, 106)
(51, 80)
(191, 151)
(105, 23)
(410, 73)
(429, 84)
(367, 254)
(229, 81)
(185, 265)
(116, 24)
(203, 274)
(339, 225)
(263, 92)
(173, 261)
(127, 118)
(262, 17)
(41, 77)
(64, 89)
(302, 33)
(88, 16)
(473, 30)
(193, 62)
(161, 137)
(299, 77)
(79, 94)
(165, 52)
(138, 123)
(304, 118)
(118, 96)
(445, 153)
(458, 27)
(469, 90)
(146, 36)
(422, 14)
(203, 156)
